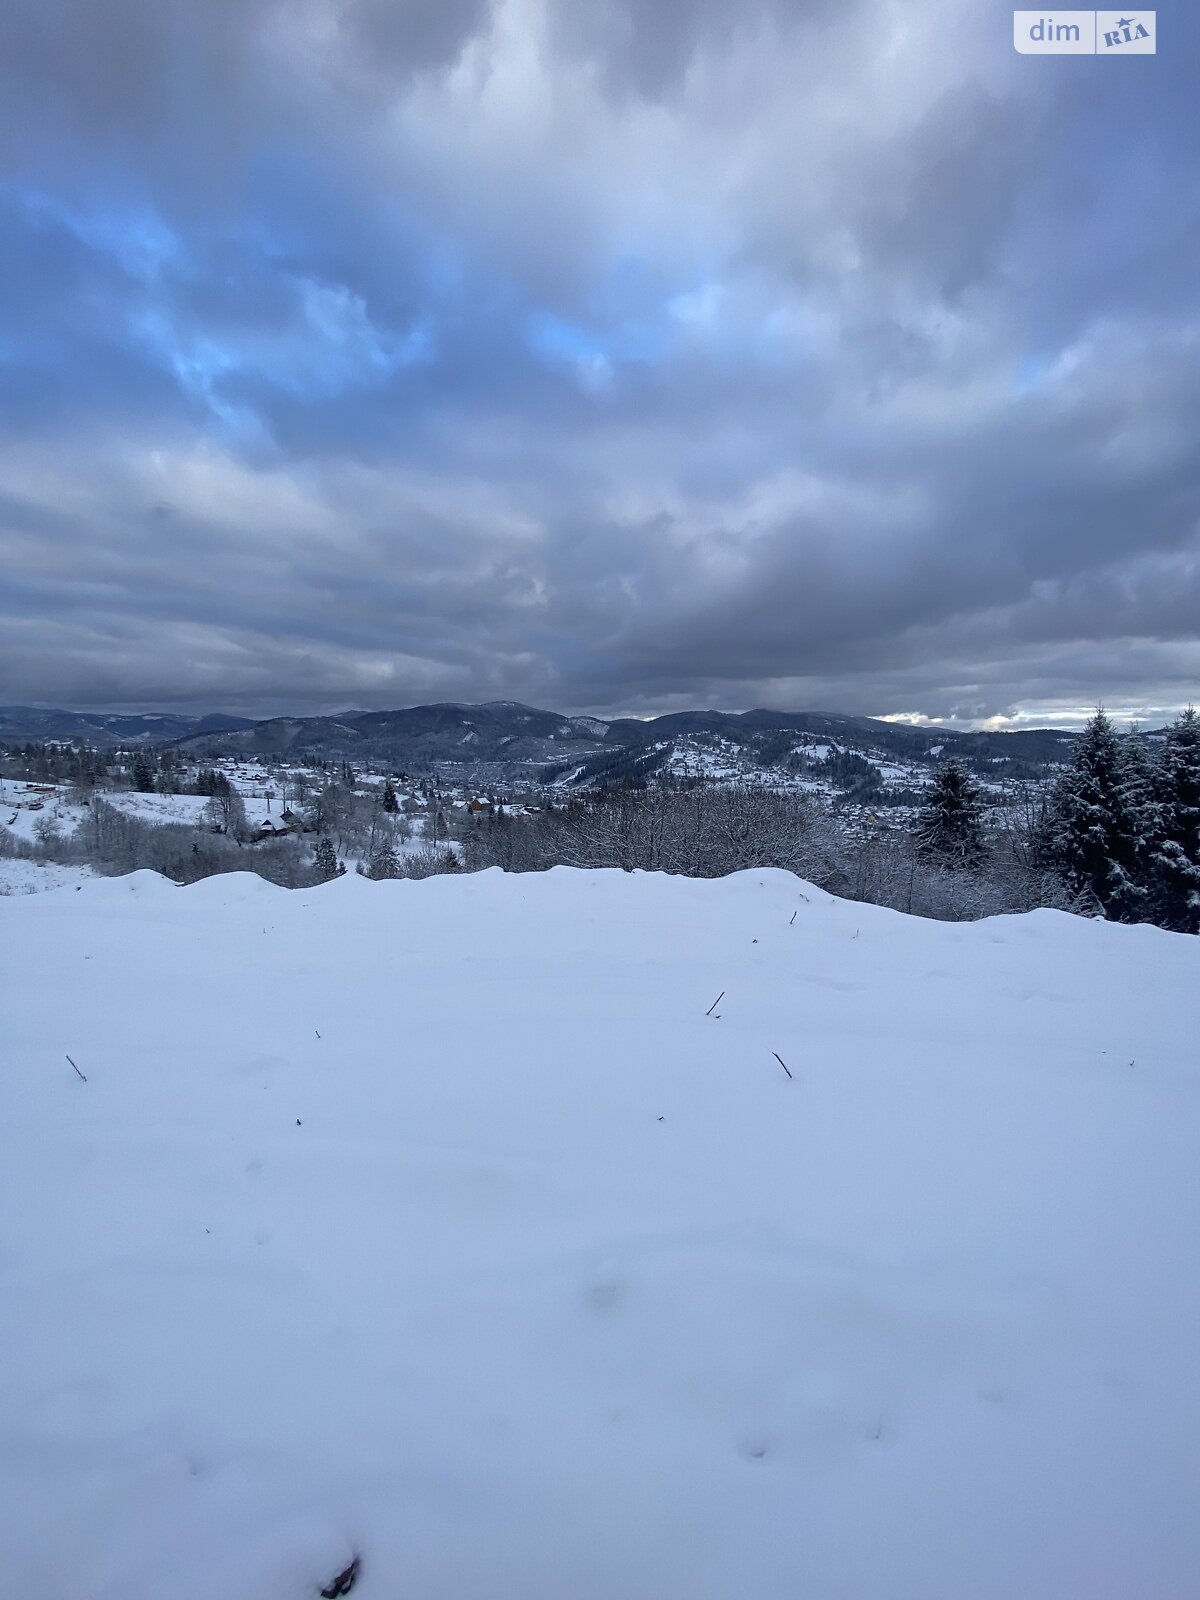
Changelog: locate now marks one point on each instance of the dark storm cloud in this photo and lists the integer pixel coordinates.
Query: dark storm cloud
(613, 356)
(648, 50)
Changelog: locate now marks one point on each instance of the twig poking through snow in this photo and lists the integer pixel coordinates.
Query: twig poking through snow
(793, 918)
(781, 1062)
(715, 1004)
(343, 1583)
(77, 1069)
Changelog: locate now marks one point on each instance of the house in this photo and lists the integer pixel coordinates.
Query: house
(268, 828)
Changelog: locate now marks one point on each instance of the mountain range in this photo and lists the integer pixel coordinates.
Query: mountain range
(106, 729)
(503, 738)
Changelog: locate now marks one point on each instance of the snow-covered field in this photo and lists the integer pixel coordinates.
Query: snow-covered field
(24, 807)
(188, 809)
(31, 877)
(453, 1224)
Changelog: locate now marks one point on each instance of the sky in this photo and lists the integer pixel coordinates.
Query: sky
(609, 355)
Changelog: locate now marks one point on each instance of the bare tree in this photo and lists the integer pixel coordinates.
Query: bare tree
(226, 813)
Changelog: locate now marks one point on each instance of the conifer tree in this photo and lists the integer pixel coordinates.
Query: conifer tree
(951, 823)
(1176, 851)
(385, 863)
(1101, 823)
(390, 803)
(141, 772)
(1141, 809)
(325, 861)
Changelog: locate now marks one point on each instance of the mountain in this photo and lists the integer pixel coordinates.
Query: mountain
(758, 729)
(501, 732)
(504, 740)
(23, 723)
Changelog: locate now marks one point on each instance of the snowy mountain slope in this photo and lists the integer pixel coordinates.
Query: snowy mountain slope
(505, 741)
(439, 1222)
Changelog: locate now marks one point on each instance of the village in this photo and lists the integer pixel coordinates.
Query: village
(379, 819)
(373, 819)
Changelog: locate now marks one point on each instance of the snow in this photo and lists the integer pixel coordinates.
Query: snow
(439, 1222)
(23, 807)
(31, 877)
(61, 808)
(187, 809)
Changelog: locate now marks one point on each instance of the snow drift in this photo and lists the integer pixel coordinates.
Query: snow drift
(452, 1224)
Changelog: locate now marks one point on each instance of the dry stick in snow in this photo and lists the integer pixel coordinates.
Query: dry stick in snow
(715, 1004)
(344, 1581)
(77, 1069)
(781, 1062)
(793, 919)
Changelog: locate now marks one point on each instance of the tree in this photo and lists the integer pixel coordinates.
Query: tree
(1176, 850)
(1099, 821)
(385, 863)
(141, 772)
(167, 781)
(226, 813)
(210, 781)
(1141, 809)
(950, 826)
(327, 811)
(326, 862)
(390, 803)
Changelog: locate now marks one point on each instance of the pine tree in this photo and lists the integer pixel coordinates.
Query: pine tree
(1141, 810)
(950, 826)
(385, 863)
(390, 803)
(141, 772)
(325, 861)
(1176, 851)
(1102, 820)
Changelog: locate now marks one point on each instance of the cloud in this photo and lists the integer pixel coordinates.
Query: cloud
(618, 357)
